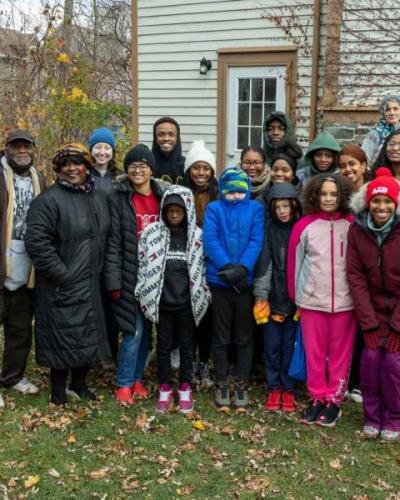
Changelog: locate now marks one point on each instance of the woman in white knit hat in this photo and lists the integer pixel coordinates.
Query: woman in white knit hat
(200, 178)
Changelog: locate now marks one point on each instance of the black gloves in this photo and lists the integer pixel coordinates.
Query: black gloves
(235, 275)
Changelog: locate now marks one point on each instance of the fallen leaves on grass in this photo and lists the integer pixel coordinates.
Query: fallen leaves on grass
(56, 422)
(258, 434)
(31, 481)
(185, 490)
(99, 474)
(31, 420)
(241, 411)
(199, 425)
(224, 409)
(118, 448)
(257, 455)
(227, 431)
(53, 473)
(71, 439)
(131, 483)
(145, 423)
(254, 484)
(189, 445)
(193, 415)
(336, 464)
(218, 457)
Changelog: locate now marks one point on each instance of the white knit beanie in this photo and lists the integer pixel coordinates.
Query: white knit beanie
(199, 152)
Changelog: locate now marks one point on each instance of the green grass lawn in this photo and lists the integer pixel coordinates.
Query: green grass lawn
(102, 451)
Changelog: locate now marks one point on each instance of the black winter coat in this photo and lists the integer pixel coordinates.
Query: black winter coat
(66, 238)
(122, 255)
(270, 272)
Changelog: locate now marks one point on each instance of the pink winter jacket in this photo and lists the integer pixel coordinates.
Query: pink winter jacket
(316, 268)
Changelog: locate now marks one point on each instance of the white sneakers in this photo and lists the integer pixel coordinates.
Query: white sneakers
(356, 395)
(24, 386)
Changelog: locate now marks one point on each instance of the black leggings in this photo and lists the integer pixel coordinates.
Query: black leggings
(173, 325)
(58, 377)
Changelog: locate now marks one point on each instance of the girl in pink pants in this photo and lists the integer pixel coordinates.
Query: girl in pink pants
(318, 285)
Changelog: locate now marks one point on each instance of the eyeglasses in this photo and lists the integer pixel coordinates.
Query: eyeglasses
(248, 163)
(392, 144)
(139, 166)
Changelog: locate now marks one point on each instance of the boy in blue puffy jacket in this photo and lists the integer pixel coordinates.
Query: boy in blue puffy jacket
(233, 236)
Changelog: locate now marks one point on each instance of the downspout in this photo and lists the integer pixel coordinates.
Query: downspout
(134, 69)
(314, 69)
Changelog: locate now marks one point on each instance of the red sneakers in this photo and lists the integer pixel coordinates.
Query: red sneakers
(139, 391)
(123, 395)
(273, 402)
(288, 402)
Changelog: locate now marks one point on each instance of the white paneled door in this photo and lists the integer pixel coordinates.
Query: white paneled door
(253, 92)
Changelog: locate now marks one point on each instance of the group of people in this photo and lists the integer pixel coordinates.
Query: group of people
(278, 242)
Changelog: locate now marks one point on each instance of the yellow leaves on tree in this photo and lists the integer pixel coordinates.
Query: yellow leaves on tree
(22, 123)
(63, 58)
(78, 94)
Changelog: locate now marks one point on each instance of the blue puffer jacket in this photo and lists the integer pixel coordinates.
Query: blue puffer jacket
(233, 233)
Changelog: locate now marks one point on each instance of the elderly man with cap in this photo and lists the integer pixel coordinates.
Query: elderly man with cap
(20, 183)
(134, 204)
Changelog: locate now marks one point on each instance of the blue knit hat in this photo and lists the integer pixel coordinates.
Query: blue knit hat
(102, 135)
(234, 180)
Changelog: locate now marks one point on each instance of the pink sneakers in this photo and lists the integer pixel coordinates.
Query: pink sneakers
(165, 398)
(185, 396)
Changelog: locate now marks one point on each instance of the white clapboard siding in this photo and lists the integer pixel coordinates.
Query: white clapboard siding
(370, 59)
(172, 38)
(322, 48)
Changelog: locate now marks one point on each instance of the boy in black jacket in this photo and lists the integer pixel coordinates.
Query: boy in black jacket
(273, 307)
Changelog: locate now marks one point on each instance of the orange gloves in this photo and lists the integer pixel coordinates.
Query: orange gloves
(261, 312)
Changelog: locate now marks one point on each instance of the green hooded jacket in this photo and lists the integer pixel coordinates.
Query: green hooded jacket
(281, 117)
(324, 140)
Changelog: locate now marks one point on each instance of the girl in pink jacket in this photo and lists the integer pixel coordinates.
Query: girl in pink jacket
(317, 283)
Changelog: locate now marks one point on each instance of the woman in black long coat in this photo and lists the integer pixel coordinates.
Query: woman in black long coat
(66, 236)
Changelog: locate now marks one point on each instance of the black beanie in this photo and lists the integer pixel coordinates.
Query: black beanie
(140, 153)
(288, 159)
(174, 199)
(287, 150)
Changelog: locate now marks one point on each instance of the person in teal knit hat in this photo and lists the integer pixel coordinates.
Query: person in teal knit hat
(233, 236)
(321, 157)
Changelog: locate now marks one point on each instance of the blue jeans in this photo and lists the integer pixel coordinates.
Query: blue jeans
(133, 353)
(279, 339)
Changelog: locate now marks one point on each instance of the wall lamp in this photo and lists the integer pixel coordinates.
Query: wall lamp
(205, 66)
